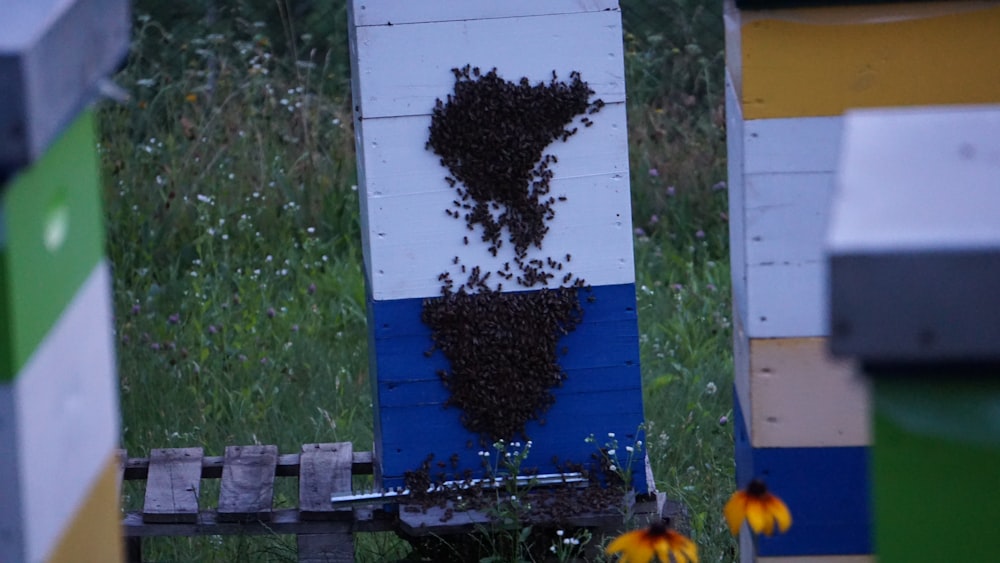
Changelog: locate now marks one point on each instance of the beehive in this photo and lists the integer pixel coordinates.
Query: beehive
(408, 59)
(803, 419)
(59, 415)
(58, 390)
(916, 199)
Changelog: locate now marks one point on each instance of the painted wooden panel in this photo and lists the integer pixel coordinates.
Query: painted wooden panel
(737, 209)
(410, 240)
(53, 237)
(812, 62)
(795, 395)
(941, 428)
(803, 397)
(791, 145)
(928, 180)
(774, 295)
(741, 368)
(66, 411)
(407, 432)
(367, 12)
(826, 488)
(396, 79)
(602, 392)
(95, 529)
(780, 188)
(747, 555)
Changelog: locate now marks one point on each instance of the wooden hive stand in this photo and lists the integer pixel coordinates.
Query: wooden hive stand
(173, 482)
(172, 504)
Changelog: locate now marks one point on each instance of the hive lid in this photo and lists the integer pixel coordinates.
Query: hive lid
(914, 236)
(53, 54)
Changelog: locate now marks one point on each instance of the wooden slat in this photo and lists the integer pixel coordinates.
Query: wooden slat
(137, 468)
(283, 521)
(325, 470)
(247, 483)
(172, 485)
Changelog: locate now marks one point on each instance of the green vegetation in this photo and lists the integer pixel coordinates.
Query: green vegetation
(234, 237)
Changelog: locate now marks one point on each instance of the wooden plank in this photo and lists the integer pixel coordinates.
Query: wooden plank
(247, 483)
(396, 12)
(325, 471)
(283, 521)
(137, 468)
(395, 79)
(801, 397)
(173, 485)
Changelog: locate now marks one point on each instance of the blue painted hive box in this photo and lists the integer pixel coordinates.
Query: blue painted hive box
(496, 224)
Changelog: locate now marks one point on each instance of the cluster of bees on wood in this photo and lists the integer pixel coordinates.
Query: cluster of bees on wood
(549, 505)
(502, 347)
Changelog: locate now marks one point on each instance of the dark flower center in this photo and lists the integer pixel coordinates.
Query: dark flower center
(756, 488)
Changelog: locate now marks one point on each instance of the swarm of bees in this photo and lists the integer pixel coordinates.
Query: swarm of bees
(502, 347)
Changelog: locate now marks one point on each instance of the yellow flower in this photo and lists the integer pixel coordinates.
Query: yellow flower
(191, 98)
(655, 542)
(761, 509)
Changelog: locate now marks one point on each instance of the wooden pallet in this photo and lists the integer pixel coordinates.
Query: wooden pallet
(173, 483)
(172, 505)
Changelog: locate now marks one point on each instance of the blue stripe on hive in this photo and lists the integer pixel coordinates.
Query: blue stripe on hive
(827, 490)
(602, 392)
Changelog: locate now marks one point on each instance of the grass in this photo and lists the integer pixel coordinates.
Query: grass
(233, 228)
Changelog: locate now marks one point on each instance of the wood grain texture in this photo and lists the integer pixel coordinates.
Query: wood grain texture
(247, 483)
(395, 12)
(172, 485)
(409, 240)
(396, 79)
(325, 471)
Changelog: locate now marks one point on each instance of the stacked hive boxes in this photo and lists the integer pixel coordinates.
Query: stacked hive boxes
(803, 419)
(58, 393)
(917, 200)
(403, 56)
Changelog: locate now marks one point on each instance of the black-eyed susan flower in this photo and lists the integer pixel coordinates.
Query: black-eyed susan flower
(655, 543)
(762, 510)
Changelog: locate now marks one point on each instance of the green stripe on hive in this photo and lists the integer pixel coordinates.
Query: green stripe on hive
(54, 237)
